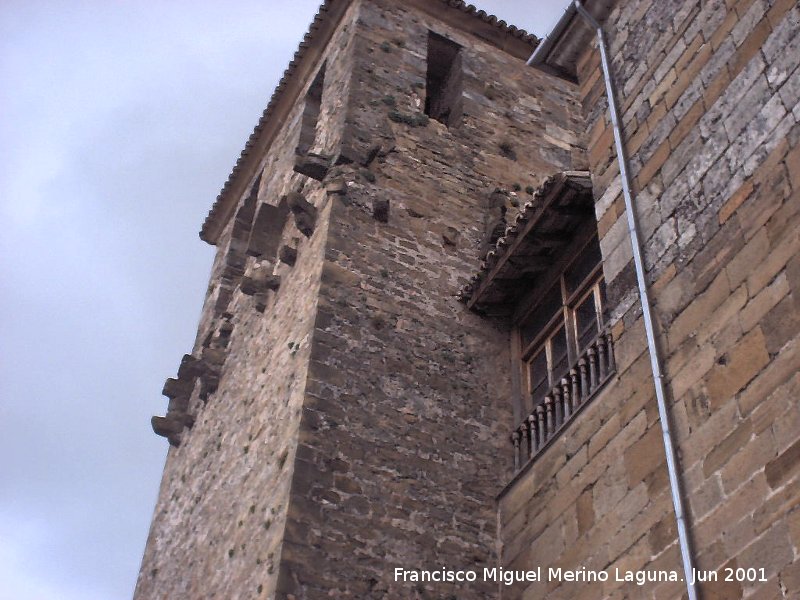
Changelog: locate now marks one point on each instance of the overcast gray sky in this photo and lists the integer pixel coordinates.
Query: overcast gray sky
(120, 122)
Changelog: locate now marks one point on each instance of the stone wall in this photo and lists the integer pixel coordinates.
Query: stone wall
(407, 410)
(219, 522)
(709, 94)
(344, 414)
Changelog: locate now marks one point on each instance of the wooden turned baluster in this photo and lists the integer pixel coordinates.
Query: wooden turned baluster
(542, 426)
(548, 408)
(515, 441)
(576, 390)
(534, 433)
(584, 379)
(601, 358)
(525, 446)
(592, 368)
(558, 410)
(612, 365)
(566, 398)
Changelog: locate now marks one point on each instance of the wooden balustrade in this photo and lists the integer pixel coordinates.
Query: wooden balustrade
(593, 368)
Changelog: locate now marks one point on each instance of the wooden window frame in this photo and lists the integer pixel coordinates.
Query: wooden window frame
(563, 317)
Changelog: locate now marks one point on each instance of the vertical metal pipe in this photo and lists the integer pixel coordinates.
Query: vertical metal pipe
(655, 359)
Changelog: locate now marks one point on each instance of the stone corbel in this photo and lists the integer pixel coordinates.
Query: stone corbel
(305, 213)
(312, 165)
(260, 282)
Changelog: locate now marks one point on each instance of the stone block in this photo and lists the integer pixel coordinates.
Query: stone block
(336, 186)
(737, 367)
(165, 426)
(698, 310)
(585, 511)
(723, 451)
(288, 255)
(644, 456)
(213, 358)
(260, 283)
(305, 213)
(189, 368)
(267, 229)
(748, 462)
(450, 236)
(312, 165)
(780, 325)
(766, 299)
(784, 467)
(174, 388)
(183, 417)
(772, 550)
(776, 507)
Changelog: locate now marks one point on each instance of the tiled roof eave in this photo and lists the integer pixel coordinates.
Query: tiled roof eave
(471, 293)
(321, 29)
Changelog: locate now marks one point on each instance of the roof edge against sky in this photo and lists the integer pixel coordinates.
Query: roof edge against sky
(559, 51)
(457, 13)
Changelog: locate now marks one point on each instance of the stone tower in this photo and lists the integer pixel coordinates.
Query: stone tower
(431, 340)
(341, 412)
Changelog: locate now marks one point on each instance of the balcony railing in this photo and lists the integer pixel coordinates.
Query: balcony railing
(593, 369)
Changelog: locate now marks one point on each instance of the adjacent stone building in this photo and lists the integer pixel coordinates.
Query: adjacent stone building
(422, 344)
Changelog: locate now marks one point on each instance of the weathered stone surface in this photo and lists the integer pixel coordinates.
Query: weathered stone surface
(260, 282)
(267, 229)
(305, 214)
(313, 165)
(336, 186)
(177, 387)
(165, 426)
(190, 367)
(365, 416)
(709, 180)
(288, 255)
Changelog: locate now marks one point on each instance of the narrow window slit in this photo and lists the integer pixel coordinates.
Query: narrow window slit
(444, 81)
(311, 111)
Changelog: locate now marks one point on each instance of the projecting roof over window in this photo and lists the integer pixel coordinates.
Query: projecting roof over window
(531, 246)
(559, 52)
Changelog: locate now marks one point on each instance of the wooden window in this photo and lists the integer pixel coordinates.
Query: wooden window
(444, 81)
(562, 322)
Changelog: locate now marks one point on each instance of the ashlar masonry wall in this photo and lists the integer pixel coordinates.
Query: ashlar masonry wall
(709, 94)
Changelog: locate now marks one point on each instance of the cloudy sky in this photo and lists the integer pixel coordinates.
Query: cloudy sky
(119, 123)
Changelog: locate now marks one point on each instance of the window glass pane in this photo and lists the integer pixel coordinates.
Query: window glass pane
(541, 315)
(586, 321)
(580, 268)
(537, 369)
(558, 354)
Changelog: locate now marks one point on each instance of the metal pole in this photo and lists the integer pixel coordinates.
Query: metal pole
(655, 359)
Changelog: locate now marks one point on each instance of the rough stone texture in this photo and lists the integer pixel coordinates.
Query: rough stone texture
(353, 419)
(711, 130)
(357, 417)
(219, 523)
(404, 418)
